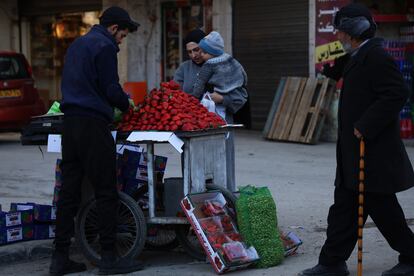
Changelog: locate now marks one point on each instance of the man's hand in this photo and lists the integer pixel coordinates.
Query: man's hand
(357, 133)
(216, 97)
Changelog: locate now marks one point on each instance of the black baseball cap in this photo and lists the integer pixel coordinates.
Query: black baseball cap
(117, 15)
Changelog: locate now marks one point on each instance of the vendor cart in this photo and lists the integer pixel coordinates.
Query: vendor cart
(203, 167)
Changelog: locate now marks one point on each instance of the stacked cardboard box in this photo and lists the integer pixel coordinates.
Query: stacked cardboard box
(132, 172)
(44, 218)
(16, 226)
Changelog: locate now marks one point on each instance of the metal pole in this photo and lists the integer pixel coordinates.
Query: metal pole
(361, 189)
(187, 169)
(151, 182)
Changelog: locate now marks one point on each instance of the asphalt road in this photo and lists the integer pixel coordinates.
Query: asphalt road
(300, 178)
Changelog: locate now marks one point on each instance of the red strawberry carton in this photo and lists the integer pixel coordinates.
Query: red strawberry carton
(211, 218)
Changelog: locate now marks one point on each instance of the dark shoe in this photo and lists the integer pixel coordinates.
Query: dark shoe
(61, 265)
(322, 270)
(112, 264)
(400, 269)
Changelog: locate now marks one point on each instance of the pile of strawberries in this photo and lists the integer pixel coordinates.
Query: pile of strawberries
(169, 109)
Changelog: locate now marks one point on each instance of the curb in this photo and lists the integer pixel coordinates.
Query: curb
(28, 251)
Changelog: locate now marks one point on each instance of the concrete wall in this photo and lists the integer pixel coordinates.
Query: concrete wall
(9, 32)
(140, 57)
(144, 48)
(223, 22)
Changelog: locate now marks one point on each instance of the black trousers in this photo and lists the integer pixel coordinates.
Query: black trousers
(88, 150)
(342, 232)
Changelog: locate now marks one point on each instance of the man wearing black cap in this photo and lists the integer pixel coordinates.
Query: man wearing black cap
(372, 96)
(90, 91)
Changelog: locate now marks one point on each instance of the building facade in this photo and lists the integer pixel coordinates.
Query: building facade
(270, 38)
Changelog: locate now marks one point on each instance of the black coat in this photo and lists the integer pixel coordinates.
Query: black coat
(372, 96)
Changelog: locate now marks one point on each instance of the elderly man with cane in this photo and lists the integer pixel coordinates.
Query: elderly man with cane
(372, 96)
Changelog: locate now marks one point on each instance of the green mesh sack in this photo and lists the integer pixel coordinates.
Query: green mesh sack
(257, 220)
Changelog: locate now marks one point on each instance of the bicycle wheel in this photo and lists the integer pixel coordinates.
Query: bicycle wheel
(131, 229)
(186, 235)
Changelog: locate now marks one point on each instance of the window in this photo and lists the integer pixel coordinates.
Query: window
(12, 67)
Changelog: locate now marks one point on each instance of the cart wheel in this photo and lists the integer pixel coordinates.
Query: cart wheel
(159, 236)
(186, 235)
(131, 229)
(164, 237)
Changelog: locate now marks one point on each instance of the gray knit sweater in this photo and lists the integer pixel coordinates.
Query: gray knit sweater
(224, 73)
(186, 75)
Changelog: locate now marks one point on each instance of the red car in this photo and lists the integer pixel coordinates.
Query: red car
(19, 99)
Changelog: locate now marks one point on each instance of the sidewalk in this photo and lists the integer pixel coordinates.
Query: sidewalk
(300, 178)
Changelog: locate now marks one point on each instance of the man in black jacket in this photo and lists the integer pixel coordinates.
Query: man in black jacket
(372, 95)
(91, 90)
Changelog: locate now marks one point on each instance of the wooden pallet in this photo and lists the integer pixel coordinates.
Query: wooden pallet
(274, 106)
(298, 110)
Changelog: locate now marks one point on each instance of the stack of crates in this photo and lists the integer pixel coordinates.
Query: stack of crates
(16, 226)
(44, 218)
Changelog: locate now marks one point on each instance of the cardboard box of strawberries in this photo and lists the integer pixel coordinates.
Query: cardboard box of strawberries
(169, 109)
(217, 231)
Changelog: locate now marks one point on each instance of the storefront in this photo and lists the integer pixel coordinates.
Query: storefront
(270, 41)
(395, 24)
(50, 28)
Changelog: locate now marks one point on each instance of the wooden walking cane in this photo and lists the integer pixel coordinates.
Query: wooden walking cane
(361, 188)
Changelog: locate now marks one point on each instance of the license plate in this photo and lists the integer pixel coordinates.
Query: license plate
(10, 93)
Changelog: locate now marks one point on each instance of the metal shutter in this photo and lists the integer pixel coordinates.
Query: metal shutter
(270, 40)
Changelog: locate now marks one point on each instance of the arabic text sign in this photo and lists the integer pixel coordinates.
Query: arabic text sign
(324, 14)
(328, 51)
(325, 34)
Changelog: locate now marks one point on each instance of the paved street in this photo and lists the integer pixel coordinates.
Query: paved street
(299, 176)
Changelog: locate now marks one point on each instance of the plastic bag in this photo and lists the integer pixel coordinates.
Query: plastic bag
(211, 106)
(208, 103)
(55, 108)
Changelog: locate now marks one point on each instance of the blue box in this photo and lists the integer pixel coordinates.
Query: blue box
(133, 165)
(44, 231)
(41, 212)
(16, 218)
(132, 185)
(16, 234)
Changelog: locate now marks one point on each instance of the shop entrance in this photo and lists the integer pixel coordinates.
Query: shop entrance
(178, 19)
(50, 38)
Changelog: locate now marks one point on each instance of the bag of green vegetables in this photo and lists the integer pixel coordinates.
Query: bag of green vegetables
(257, 220)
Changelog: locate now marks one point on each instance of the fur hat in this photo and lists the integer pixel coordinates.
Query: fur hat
(356, 20)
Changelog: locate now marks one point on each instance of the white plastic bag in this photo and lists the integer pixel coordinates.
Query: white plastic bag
(208, 103)
(211, 106)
